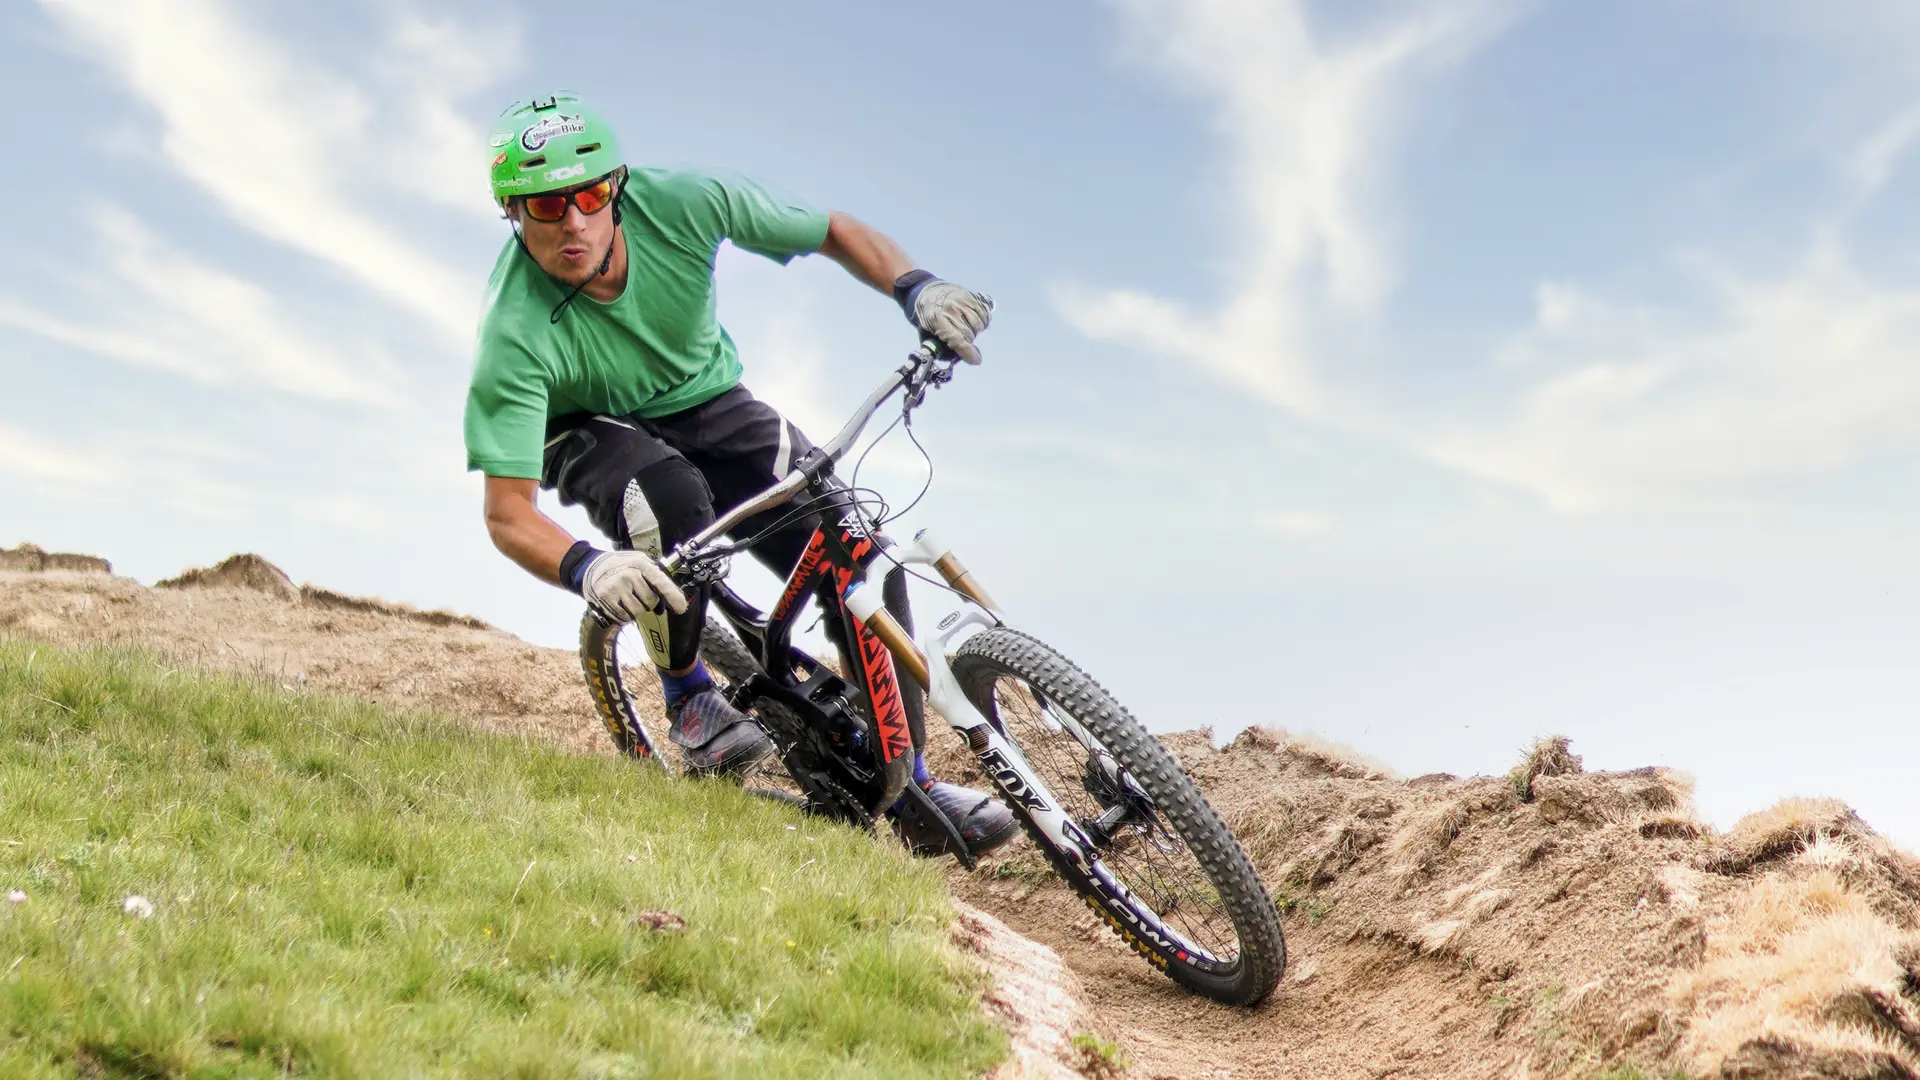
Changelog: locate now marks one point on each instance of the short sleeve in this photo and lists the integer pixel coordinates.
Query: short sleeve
(506, 421)
(766, 224)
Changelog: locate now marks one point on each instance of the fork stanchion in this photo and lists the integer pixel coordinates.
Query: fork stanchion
(867, 606)
(957, 576)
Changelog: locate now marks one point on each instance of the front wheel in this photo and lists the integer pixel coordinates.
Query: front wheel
(1164, 871)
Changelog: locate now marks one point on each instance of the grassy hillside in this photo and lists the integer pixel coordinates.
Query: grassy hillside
(342, 890)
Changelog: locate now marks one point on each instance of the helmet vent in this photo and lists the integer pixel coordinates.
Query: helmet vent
(533, 163)
(587, 149)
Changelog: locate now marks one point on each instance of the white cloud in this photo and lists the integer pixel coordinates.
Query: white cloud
(1874, 162)
(1786, 376)
(1779, 374)
(162, 309)
(299, 153)
(122, 469)
(433, 65)
(769, 311)
(26, 456)
(1293, 524)
(1306, 121)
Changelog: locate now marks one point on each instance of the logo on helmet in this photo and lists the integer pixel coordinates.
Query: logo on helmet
(501, 160)
(558, 124)
(565, 172)
(500, 138)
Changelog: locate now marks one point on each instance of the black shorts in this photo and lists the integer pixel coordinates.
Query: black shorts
(649, 484)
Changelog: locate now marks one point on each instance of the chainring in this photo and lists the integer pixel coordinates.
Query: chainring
(826, 796)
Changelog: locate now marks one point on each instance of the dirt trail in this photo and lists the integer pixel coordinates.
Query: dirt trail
(1548, 923)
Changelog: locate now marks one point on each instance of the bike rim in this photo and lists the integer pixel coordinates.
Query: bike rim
(1157, 873)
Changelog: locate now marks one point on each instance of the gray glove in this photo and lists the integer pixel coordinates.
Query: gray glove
(630, 584)
(952, 314)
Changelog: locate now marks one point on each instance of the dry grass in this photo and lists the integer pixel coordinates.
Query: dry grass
(253, 573)
(1671, 827)
(1785, 828)
(1318, 756)
(1591, 800)
(1804, 971)
(33, 559)
(1664, 790)
(1265, 825)
(1463, 906)
(1551, 756)
(242, 571)
(1426, 836)
(1339, 846)
(1679, 885)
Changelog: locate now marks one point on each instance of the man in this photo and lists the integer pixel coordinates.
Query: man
(603, 374)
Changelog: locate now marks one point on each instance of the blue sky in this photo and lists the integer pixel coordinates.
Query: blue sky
(1429, 376)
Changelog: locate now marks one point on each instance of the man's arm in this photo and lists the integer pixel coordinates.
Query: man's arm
(625, 583)
(866, 252)
(521, 531)
(940, 308)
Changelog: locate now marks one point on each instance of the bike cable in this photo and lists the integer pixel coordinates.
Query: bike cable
(795, 513)
(905, 418)
(861, 497)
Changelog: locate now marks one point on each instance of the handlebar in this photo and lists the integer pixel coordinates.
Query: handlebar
(927, 366)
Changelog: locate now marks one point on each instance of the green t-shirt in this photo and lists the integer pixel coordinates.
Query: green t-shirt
(655, 350)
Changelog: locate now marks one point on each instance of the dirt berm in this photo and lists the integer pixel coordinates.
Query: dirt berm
(1546, 923)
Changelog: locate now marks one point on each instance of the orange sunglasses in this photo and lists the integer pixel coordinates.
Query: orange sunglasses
(591, 199)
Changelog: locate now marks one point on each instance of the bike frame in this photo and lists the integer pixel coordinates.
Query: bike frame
(838, 555)
(836, 567)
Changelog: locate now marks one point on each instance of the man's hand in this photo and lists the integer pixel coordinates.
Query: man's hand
(951, 314)
(630, 584)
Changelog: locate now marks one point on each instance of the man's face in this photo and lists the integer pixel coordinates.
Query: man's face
(571, 248)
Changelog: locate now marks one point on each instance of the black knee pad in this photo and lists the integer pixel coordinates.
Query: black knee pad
(676, 496)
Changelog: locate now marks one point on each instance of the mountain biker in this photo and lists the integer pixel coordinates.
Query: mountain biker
(601, 373)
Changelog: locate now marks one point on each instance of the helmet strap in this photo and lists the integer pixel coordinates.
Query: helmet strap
(605, 262)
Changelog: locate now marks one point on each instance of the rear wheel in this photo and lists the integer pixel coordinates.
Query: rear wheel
(1165, 872)
(605, 660)
(616, 663)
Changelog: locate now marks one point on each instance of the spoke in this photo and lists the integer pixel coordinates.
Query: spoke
(1145, 856)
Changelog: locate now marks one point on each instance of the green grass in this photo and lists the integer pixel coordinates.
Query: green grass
(1100, 1059)
(1315, 909)
(343, 890)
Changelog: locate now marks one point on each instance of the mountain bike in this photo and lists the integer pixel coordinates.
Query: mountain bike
(1113, 812)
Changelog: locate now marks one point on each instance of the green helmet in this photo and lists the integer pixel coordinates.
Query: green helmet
(547, 144)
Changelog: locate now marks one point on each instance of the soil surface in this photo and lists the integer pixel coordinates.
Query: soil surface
(1546, 923)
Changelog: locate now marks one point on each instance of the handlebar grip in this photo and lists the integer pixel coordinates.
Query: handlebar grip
(931, 347)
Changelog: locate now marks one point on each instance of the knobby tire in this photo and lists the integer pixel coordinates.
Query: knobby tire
(993, 657)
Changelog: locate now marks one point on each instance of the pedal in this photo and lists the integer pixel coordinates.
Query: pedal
(918, 803)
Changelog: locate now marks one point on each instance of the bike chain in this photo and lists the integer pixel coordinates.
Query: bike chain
(843, 806)
(826, 796)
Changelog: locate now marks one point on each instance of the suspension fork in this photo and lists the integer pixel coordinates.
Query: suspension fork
(924, 551)
(927, 550)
